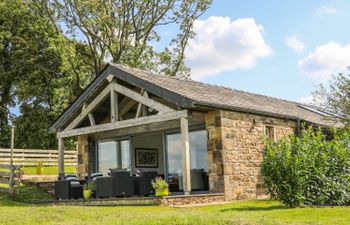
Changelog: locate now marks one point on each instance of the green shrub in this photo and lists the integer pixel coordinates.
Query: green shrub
(308, 170)
(159, 184)
(90, 185)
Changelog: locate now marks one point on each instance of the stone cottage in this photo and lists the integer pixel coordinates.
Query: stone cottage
(201, 138)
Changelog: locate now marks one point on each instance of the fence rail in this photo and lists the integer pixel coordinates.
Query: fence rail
(31, 157)
(9, 179)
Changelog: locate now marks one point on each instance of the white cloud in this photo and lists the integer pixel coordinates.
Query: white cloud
(326, 10)
(326, 60)
(225, 45)
(306, 100)
(294, 43)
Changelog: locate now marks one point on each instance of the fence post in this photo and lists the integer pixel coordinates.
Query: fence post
(11, 181)
(12, 171)
(12, 144)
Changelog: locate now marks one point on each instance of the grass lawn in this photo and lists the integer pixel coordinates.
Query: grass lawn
(48, 170)
(19, 211)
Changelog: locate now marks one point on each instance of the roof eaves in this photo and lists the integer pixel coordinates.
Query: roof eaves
(259, 112)
(246, 110)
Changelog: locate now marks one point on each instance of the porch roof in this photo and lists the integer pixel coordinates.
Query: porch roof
(189, 94)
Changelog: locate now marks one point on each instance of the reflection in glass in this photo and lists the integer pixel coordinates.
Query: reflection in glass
(125, 154)
(198, 160)
(113, 154)
(107, 156)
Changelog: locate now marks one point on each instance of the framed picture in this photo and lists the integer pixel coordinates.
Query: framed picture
(146, 158)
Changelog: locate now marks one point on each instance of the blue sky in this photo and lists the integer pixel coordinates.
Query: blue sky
(277, 48)
(298, 45)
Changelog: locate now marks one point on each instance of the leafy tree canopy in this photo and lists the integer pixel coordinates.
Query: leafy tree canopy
(335, 97)
(51, 49)
(123, 30)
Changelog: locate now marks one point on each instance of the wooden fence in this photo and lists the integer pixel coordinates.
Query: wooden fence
(9, 179)
(32, 157)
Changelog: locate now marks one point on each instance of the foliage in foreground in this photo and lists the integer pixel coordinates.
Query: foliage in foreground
(308, 170)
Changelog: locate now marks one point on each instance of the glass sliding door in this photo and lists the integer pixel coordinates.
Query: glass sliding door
(198, 161)
(113, 154)
(125, 154)
(106, 155)
(174, 155)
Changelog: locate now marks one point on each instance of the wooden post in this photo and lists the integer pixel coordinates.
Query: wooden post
(60, 156)
(114, 105)
(12, 144)
(12, 171)
(11, 180)
(185, 156)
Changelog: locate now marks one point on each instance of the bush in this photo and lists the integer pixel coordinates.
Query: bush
(308, 170)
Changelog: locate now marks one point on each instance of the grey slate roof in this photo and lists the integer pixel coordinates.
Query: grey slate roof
(203, 94)
(192, 94)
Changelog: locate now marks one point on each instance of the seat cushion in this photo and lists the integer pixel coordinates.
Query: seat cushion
(95, 175)
(68, 175)
(75, 184)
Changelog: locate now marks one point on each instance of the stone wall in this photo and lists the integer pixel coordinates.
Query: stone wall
(235, 151)
(215, 159)
(200, 199)
(83, 156)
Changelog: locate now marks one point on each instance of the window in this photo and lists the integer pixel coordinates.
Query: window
(270, 133)
(198, 160)
(113, 154)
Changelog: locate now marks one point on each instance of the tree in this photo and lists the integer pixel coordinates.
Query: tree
(41, 71)
(124, 30)
(51, 49)
(335, 97)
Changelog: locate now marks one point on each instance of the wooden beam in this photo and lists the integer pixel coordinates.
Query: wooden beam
(139, 98)
(138, 112)
(125, 105)
(91, 119)
(123, 124)
(114, 105)
(98, 100)
(60, 155)
(139, 107)
(186, 169)
(144, 108)
(147, 128)
(110, 78)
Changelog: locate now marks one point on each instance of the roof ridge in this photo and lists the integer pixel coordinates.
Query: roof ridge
(212, 85)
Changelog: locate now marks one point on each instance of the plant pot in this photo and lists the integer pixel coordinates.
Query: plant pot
(87, 194)
(39, 170)
(164, 192)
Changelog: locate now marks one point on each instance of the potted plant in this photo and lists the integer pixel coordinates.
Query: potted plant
(87, 189)
(160, 186)
(40, 168)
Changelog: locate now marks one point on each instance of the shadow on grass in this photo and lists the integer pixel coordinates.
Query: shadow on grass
(27, 194)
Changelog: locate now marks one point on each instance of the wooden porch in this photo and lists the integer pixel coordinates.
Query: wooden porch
(131, 110)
